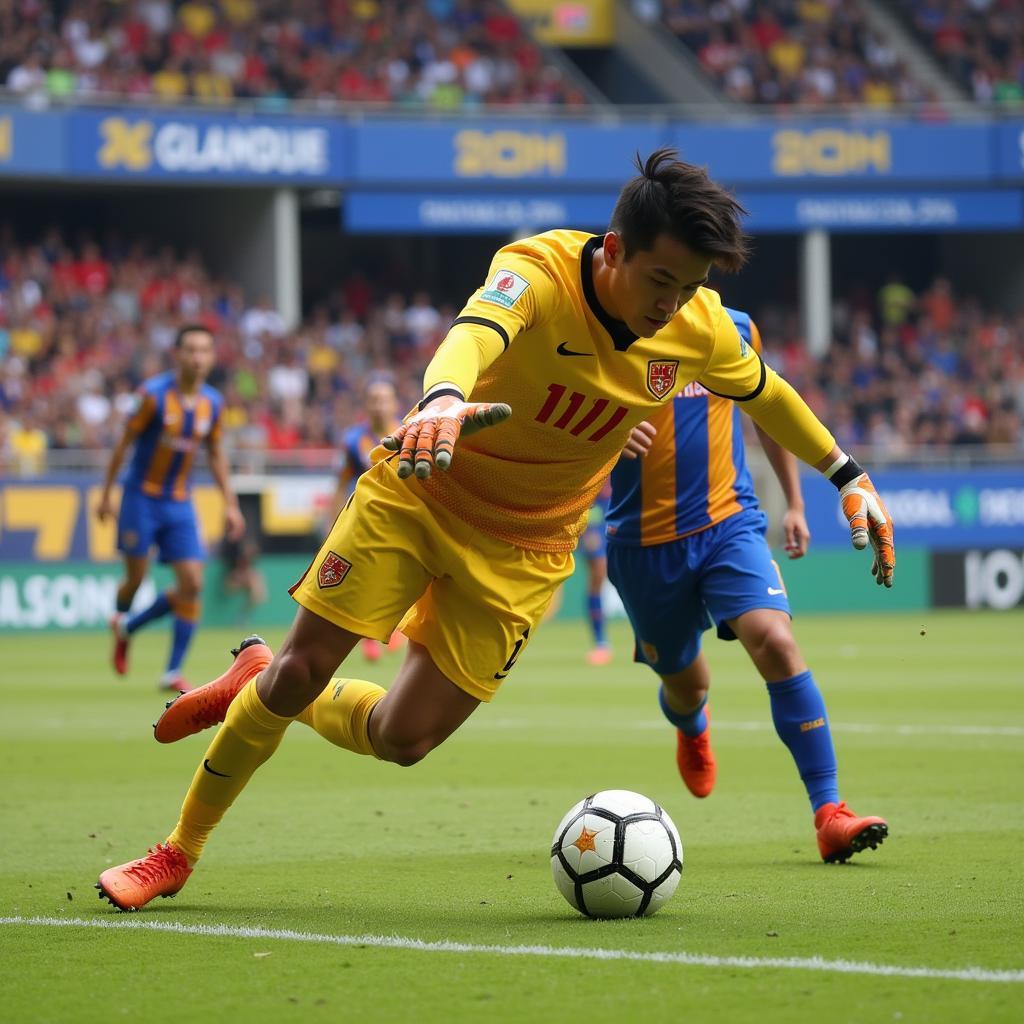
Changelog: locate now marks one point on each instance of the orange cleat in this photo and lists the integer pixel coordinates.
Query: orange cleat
(696, 761)
(599, 656)
(207, 705)
(371, 649)
(396, 642)
(162, 872)
(120, 655)
(841, 833)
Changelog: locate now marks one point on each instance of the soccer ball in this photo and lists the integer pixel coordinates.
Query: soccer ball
(616, 854)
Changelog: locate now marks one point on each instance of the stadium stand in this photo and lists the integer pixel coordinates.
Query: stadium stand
(444, 53)
(81, 325)
(981, 42)
(807, 53)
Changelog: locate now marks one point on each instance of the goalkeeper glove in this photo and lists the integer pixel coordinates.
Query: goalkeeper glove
(867, 515)
(427, 439)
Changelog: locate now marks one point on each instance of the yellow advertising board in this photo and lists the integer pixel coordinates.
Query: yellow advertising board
(572, 23)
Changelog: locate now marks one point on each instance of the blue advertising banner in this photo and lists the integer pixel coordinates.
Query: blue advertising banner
(938, 509)
(1010, 150)
(31, 143)
(991, 210)
(473, 213)
(759, 154)
(495, 150)
(147, 146)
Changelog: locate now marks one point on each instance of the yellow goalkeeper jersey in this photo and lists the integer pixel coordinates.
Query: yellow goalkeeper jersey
(578, 381)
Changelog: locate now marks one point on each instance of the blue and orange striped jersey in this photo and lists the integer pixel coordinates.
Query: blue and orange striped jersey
(169, 427)
(695, 473)
(356, 444)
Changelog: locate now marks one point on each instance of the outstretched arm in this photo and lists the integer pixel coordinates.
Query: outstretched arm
(787, 472)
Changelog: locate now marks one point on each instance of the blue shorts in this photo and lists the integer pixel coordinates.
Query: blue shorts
(170, 525)
(592, 543)
(673, 592)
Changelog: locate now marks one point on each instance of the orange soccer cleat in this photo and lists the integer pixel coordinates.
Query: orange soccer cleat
(162, 872)
(173, 682)
(600, 655)
(207, 705)
(696, 761)
(120, 655)
(841, 833)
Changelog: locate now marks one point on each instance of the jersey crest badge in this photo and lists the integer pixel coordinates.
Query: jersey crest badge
(333, 569)
(505, 289)
(661, 376)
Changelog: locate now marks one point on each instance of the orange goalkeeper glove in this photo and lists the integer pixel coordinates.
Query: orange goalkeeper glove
(427, 439)
(868, 518)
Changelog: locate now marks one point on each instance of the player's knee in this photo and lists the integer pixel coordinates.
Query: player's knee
(777, 650)
(405, 751)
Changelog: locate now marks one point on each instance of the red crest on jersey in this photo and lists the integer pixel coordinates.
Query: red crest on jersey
(506, 284)
(661, 376)
(333, 569)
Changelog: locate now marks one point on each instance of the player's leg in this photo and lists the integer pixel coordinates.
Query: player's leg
(186, 605)
(135, 532)
(258, 698)
(747, 598)
(179, 545)
(660, 594)
(597, 572)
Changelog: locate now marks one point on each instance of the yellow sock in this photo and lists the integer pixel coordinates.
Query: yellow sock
(249, 735)
(341, 713)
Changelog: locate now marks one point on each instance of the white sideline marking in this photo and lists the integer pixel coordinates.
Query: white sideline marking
(815, 963)
(766, 726)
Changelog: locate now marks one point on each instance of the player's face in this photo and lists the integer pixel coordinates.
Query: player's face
(652, 285)
(381, 404)
(195, 355)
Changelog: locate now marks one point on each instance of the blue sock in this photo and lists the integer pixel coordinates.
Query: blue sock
(160, 607)
(798, 711)
(182, 637)
(691, 724)
(596, 613)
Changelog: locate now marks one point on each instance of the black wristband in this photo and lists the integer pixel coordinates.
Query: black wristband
(844, 474)
(454, 392)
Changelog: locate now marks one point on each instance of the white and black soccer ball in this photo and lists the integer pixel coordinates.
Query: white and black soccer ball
(616, 854)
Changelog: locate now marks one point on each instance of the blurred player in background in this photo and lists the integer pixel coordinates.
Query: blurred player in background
(594, 551)
(584, 336)
(381, 404)
(687, 544)
(177, 412)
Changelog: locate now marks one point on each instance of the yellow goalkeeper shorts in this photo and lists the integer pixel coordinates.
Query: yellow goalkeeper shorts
(396, 557)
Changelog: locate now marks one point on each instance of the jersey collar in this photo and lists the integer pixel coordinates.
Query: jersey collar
(622, 337)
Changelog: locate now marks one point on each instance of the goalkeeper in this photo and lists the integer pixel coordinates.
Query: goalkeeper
(578, 339)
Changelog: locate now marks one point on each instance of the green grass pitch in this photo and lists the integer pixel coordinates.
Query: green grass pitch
(930, 734)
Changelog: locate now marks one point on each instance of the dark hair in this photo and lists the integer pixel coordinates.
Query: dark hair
(672, 197)
(188, 329)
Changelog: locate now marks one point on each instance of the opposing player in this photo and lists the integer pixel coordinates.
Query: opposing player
(594, 551)
(381, 403)
(177, 412)
(583, 336)
(687, 541)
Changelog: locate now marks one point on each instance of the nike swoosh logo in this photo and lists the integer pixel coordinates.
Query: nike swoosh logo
(206, 765)
(563, 351)
(774, 591)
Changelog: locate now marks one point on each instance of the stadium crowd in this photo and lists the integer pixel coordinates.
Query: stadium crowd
(980, 41)
(445, 53)
(82, 325)
(810, 53)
